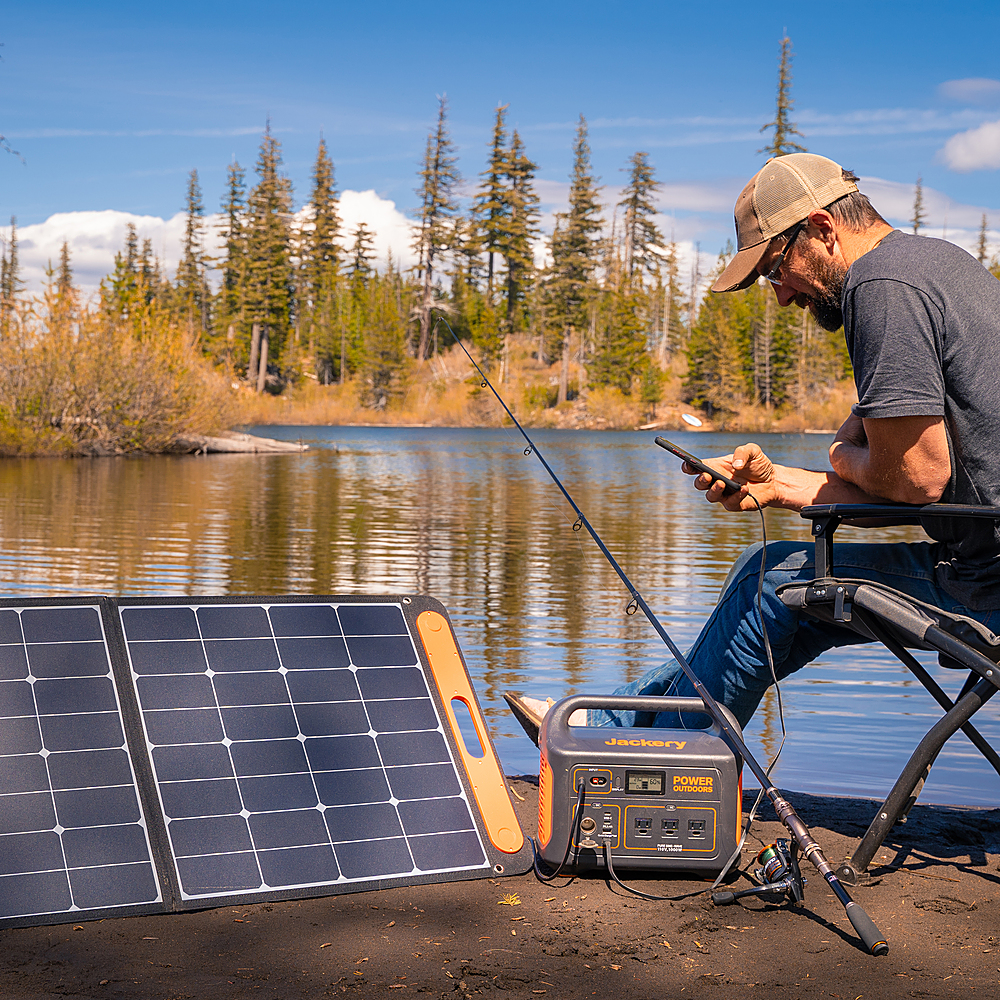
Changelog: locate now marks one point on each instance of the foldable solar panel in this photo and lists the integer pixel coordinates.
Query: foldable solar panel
(173, 754)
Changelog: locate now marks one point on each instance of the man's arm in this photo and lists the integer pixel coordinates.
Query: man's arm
(901, 459)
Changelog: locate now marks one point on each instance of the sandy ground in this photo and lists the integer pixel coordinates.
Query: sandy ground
(934, 894)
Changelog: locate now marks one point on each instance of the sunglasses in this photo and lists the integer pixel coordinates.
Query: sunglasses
(772, 275)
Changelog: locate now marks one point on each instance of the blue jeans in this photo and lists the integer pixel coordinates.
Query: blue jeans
(729, 656)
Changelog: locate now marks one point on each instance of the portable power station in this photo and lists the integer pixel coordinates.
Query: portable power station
(659, 798)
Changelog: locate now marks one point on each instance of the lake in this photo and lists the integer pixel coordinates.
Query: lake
(464, 516)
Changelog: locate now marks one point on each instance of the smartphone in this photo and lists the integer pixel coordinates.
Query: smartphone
(696, 463)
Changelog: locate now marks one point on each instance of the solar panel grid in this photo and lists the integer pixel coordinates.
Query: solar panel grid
(72, 833)
(295, 745)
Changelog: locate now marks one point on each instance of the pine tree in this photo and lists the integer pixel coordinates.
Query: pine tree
(640, 231)
(64, 276)
(491, 207)
(917, 220)
(232, 289)
(782, 141)
(269, 299)
(439, 181)
(11, 283)
(982, 247)
(521, 228)
(576, 249)
(362, 254)
(192, 287)
(620, 358)
(320, 250)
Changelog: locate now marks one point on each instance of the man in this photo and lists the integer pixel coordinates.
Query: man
(922, 323)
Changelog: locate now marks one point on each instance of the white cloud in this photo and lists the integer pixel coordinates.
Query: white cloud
(95, 237)
(393, 230)
(973, 90)
(976, 149)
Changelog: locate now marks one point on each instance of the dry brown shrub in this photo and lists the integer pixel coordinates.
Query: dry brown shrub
(95, 387)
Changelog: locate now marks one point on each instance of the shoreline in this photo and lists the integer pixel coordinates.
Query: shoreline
(934, 892)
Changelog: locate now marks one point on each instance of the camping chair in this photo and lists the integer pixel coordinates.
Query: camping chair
(897, 621)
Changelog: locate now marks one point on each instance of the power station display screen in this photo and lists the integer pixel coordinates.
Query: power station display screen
(644, 782)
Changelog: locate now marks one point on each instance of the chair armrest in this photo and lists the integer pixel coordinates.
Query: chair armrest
(827, 517)
(904, 512)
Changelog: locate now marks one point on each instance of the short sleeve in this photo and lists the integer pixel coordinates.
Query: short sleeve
(896, 350)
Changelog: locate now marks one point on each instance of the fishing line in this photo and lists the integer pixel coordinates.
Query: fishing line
(862, 923)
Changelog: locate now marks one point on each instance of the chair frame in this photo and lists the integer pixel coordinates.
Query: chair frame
(873, 611)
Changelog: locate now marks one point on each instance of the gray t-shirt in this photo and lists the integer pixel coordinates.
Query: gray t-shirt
(922, 321)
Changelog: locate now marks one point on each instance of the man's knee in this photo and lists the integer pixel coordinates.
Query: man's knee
(783, 557)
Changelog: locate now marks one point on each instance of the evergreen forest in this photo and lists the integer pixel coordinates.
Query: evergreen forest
(591, 325)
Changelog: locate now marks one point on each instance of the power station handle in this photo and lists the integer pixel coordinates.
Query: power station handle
(558, 715)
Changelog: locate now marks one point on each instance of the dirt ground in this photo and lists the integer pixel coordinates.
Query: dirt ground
(934, 894)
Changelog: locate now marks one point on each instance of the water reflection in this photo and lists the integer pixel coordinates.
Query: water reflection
(464, 516)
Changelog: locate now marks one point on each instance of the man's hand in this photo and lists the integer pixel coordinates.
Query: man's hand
(747, 464)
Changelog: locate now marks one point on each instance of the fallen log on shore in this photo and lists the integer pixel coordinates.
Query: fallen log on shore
(232, 442)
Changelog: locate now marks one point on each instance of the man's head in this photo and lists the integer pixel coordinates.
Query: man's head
(794, 222)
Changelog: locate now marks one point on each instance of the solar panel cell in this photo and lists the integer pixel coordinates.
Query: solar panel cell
(227, 655)
(20, 736)
(396, 682)
(372, 619)
(364, 859)
(35, 892)
(195, 725)
(403, 715)
(160, 623)
(61, 624)
(412, 748)
(447, 850)
(13, 663)
(182, 657)
(10, 627)
(298, 866)
(313, 654)
(168, 691)
(379, 651)
(114, 885)
(27, 811)
(278, 791)
(269, 757)
(200, 798)
(233, 621)
(423, 781)
(82, 732)
(338, 788)
(342, 752)
(68, 659)
(310, 619)
(322, 685)
(219, 874)
(332, 719)
(378, 819)
(96, 806)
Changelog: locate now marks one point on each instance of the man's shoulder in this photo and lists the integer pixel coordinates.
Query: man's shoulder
(920, 261)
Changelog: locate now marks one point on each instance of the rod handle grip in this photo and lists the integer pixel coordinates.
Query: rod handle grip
(723, 898)
(872, 937)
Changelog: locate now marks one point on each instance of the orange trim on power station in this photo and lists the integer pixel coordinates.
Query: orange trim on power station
(544, 800)
(484, 772)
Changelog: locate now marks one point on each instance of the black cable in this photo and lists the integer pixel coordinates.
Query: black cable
(569, 841)
(639, 892)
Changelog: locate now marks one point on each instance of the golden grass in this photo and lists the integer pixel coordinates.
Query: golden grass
(445, 392)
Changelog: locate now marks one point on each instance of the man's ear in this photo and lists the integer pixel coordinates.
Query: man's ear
(823, 228)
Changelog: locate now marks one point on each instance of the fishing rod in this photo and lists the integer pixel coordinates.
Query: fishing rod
(870, 935)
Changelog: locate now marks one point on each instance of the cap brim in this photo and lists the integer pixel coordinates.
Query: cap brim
(742, 270)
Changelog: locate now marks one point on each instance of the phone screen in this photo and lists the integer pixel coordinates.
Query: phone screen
(731, 485)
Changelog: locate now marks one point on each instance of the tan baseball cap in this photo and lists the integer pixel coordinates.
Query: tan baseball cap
(783, 192)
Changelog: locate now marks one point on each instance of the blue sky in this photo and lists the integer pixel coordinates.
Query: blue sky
(112, 104)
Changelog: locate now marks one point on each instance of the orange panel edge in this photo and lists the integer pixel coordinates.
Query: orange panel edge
(485, 774)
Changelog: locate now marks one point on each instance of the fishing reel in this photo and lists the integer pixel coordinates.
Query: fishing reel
(778, 872)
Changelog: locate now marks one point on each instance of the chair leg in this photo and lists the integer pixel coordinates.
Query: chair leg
(913, 665)
(913, 774)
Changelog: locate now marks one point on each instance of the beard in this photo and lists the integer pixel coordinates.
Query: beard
(825, 302)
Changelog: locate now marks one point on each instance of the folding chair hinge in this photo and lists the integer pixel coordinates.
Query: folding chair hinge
(841, 605)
